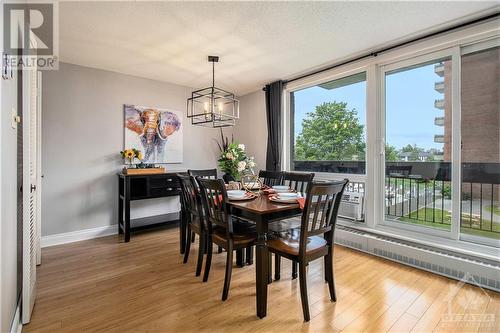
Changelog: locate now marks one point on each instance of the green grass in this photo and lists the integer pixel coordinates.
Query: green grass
(494, 208)
(443, 221)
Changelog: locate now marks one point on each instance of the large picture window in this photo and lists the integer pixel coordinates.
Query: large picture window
(418, 145)
(329, 126)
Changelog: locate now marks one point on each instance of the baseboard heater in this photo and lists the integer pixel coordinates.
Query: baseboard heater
(473, 270)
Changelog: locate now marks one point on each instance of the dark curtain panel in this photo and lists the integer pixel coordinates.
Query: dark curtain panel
(274, 94)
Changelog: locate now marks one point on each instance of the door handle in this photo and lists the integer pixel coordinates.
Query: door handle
(32, 188)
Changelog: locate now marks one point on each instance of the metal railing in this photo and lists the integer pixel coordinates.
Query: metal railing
(420, 192)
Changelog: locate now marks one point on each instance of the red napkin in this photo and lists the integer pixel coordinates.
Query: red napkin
(301, 202)
(269, 191)
(220, 199)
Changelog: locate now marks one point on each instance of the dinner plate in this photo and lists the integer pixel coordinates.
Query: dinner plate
(245, 197)
(281, 200)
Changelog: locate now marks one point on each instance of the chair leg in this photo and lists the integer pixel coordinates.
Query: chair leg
(239, 258)
(249, 255)
(270, 269)
(294, 270)
(208, 262)
(193, 237)
(201, 251)
(325, 258)
(277, 266)
(329, 273)
(303, 291)
(188, 246)
(229, 269)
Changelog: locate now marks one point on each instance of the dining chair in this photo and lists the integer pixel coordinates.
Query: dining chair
(204, 173)
(298, 181)
(271, 178)
(220, 227)
(194, 214)
(304, 245)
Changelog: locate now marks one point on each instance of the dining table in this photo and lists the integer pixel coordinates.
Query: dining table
(261, 210)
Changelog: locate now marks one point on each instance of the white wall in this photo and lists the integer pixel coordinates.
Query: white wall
(251, 128)
(8, 200)
(8, 208)
(82, 134)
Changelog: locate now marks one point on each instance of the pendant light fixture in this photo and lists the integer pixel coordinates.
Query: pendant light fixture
(212, 106)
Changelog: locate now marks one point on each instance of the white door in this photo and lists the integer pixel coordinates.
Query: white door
(30, 180)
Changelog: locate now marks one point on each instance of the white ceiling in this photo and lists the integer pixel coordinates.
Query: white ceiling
(258, 42)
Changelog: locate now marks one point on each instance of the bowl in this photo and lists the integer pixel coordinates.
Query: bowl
(281, 188)
(236, 193)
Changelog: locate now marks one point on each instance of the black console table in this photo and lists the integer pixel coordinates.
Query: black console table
(139, 187)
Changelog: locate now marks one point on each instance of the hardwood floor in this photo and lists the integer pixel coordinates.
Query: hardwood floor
(105, 285)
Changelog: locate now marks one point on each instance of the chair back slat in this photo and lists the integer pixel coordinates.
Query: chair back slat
(214, 197)
(271, 178)
(189, 197)
(320, 211)
(298, 181)
(204, 173)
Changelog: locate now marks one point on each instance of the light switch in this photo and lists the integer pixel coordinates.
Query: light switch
(14, 118)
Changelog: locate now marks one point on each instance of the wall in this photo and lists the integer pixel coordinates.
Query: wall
(8, 208)
(8, 200)
(82, 133)
(251, 128)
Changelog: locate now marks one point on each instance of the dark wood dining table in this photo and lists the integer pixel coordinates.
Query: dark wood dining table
(261, 211)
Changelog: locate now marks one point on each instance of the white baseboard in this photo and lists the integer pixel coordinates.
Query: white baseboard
(75, 236)
(17, 326)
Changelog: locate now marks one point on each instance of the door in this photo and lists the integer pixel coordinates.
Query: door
(30, 180)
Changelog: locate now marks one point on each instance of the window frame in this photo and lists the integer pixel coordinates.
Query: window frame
(456, 42)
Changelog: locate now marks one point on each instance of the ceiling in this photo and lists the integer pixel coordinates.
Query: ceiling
(258, 42)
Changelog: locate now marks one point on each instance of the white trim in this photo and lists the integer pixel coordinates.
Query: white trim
(456, 139)
(16, 326)
(75, 236)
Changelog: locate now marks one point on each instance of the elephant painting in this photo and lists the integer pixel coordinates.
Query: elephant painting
(156, 132)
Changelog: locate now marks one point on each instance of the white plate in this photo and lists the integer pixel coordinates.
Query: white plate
(288, 195)
(281, 189)
(275, 199)
(236, 193)
(245, 197)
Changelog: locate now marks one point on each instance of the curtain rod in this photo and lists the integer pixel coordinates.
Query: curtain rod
(389, 48)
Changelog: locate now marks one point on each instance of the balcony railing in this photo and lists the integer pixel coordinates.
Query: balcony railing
(439, 121)
(439, 87)
(420, 193)
(439, 104)
(439, 69)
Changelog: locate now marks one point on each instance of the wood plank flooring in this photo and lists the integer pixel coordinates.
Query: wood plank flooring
(105, 285)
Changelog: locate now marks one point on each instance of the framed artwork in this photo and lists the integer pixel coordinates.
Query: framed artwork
(156, 132)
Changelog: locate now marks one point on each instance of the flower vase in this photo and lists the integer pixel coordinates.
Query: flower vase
(228, 178)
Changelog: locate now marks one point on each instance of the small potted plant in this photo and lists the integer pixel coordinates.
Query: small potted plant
(129, 155)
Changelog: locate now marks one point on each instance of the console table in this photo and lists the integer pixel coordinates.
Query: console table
(139, 187)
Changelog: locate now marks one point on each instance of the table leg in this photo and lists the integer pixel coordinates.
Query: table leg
(261, 269)
(120, 208)
(126, 223)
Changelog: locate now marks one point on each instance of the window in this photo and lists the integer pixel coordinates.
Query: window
(328, 131)
(418, 145)
(480, 152)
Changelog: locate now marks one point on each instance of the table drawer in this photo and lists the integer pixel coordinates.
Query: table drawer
(164, 182)
(163, 191)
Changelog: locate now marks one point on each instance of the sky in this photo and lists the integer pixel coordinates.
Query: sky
(410, 108)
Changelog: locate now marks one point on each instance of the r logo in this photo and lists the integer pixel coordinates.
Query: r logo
(29, 22)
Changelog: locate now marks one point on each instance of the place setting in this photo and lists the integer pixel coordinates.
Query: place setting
(240, 195)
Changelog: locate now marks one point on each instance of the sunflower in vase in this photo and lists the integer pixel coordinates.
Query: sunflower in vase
(130, 154)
